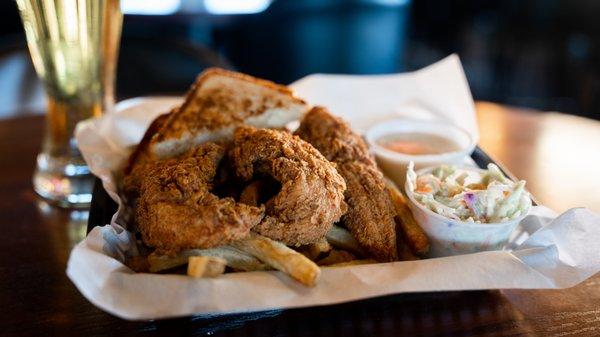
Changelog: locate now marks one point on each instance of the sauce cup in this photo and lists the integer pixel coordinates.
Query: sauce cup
(454, 237)
(394, 164)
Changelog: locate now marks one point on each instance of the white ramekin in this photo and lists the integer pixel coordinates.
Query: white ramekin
(453, 237)
(394, 164)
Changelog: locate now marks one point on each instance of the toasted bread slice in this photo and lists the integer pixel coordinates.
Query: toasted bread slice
(217, 103)
(142, 154)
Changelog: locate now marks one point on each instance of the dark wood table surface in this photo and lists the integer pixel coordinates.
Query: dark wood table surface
(559, 155)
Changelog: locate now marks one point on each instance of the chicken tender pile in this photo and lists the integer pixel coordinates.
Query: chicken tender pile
(176, 209)
(225, 187)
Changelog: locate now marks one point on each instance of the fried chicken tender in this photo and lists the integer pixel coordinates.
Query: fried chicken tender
(177, 211)
(311, 198)
(370, 216)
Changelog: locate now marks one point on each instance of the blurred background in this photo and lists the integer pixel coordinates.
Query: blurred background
(538, 54)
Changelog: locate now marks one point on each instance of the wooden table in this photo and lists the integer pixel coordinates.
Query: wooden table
(557, 154)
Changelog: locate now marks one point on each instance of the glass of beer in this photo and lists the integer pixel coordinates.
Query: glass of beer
(73, 46)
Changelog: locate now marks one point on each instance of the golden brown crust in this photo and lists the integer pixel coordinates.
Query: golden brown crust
(311, 199)
(177, 211)
(333, 137)
(370, 215)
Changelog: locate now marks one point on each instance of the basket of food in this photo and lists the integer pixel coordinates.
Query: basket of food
(247, 195)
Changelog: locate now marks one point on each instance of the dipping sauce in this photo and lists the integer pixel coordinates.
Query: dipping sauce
(418, 143)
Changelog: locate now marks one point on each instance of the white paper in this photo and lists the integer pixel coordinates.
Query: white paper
(438, 92)
(547, 253)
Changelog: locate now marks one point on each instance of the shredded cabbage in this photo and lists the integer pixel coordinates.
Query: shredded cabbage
(469, 195)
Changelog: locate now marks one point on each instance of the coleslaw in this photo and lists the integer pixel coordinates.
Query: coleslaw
(475, 196)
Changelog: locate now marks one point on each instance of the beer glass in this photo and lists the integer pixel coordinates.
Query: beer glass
(73, 45)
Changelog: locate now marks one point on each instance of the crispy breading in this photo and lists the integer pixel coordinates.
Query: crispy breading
(177, 211)
(311, 198)
(370, 216)
(334, 138)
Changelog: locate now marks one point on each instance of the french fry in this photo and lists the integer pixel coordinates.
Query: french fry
(335, 257)
(159, 263)
(138, 264)
(235, 258)
(280, 257)
(352, 263)
(342, 239)
(413, 234)
(205, 266)
(405, 254)
(243, 261)
(314, 250)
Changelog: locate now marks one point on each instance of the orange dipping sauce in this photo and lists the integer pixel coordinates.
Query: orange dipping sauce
(418, 143)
